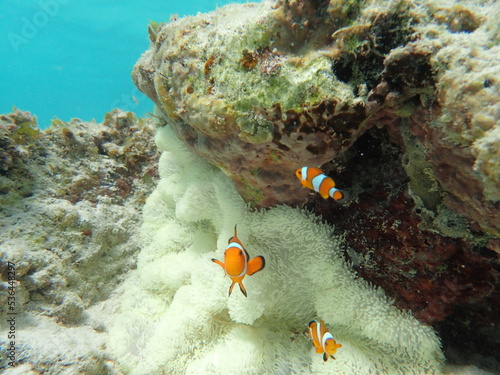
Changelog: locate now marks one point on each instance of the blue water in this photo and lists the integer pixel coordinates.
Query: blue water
(73, 58)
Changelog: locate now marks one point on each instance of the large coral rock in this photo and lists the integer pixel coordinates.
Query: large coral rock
(463, 140)
(248, 99)
(292, 83)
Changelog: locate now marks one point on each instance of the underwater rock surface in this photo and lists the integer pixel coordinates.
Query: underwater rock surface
(249, 100)
(70, 208)
(297, 82)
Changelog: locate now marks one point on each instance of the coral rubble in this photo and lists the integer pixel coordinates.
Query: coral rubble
(70, 206)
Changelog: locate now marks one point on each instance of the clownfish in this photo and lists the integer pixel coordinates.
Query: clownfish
(322, 339)
(236, 263)
(315, 179)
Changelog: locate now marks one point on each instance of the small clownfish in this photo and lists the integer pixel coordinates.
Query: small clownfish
(236, 263)
(322, 339)
(315, 179)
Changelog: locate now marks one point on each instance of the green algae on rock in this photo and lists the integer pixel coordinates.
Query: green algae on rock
(292, 83)
(234, 91)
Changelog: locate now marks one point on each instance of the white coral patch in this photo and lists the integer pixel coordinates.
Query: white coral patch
(177, 317)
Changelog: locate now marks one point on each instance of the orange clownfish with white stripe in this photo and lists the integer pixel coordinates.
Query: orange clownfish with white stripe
(314, 179)
(322, 339)
(237, 264)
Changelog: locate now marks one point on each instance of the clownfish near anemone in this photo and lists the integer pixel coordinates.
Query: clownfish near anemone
(323, 340)
(314, 179)
(237, 264)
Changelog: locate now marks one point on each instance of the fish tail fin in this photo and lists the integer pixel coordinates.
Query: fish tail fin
(243, 290)
(338, 195)
(255, 265)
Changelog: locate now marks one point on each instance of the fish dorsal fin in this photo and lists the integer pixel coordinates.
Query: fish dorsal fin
(235, 237)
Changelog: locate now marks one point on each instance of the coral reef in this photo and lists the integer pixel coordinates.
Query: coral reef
(294, 83)
(71, 336)
(70, 208)
(397, 100)
(280, 86)
(177, 317)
